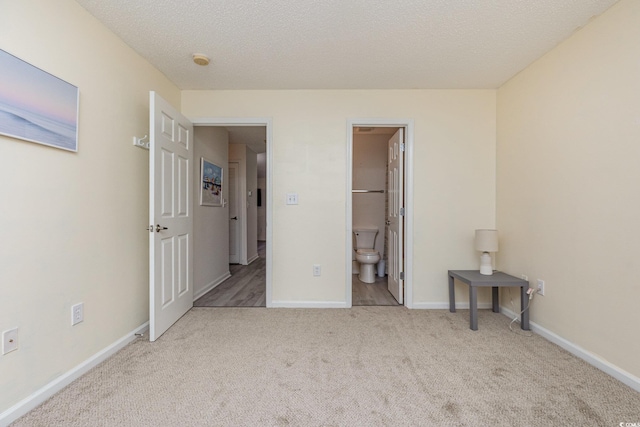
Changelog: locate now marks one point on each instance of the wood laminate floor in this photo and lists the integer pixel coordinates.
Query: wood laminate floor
(371, 293)
(247, 288)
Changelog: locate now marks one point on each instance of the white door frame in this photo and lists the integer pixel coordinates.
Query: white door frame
(408, 202)
(254, 121)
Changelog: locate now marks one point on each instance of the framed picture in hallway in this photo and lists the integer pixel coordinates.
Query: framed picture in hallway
(36, 106)
(210, 183)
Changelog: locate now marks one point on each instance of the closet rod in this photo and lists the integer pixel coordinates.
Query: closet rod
(367, 191)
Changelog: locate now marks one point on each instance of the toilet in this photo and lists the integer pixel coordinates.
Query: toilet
(366, 255)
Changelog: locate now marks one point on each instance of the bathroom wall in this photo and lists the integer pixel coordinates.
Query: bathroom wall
(369, 173)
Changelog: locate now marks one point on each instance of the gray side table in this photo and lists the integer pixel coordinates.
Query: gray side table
(474, 279)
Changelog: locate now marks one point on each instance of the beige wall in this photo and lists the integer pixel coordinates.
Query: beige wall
(77, 232)
(568, 185)
(210, 223)
(454, 159)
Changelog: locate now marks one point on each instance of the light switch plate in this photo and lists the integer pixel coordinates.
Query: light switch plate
(292, 198)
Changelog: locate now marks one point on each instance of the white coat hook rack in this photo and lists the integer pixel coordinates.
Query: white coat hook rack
(140, 142)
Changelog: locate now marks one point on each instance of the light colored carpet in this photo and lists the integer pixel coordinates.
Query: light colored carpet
(365, 366)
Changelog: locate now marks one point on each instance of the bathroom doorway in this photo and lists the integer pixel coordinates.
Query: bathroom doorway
(377, 208)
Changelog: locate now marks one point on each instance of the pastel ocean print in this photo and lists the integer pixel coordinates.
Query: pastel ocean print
(36, 106)
(28, 125)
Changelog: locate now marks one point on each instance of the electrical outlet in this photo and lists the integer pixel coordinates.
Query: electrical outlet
(292, 198)
(77, 314)
(317, 270)
(9, 340)
(540, 290)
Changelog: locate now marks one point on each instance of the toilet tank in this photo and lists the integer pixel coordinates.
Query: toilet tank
(365, 237)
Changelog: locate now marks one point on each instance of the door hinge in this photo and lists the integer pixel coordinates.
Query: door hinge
(402, 146)
(401, 211)
(402, 275)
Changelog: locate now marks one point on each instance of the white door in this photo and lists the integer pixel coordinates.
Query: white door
(395, 216)
(234, 210)
(170, 216)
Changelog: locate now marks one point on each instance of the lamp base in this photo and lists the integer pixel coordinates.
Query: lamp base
(486, 267)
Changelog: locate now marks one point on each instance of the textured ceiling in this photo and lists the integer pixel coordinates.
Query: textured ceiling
(343, 44)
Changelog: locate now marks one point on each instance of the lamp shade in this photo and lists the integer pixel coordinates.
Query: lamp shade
(487, 240)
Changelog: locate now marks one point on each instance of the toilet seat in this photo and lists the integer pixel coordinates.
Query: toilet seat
(364, 255)
(366, 251)
(367, 256)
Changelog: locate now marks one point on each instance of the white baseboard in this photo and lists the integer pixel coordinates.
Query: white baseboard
(445, 305)
(212, 285)
(44, 393)
(596, 361)
(308, 304)
(253, 258)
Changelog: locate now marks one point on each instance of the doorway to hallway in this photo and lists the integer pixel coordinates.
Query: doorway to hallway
(246, 282)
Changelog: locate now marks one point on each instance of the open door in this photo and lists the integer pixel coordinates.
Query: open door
(170, 216)
(395, 216)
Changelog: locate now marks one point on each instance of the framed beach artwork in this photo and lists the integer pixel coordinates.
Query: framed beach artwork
(36, 106)
(210, 183)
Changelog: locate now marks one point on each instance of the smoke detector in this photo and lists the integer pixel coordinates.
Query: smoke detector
(200, 59)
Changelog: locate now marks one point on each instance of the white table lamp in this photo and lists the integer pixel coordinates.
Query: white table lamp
(486, 242)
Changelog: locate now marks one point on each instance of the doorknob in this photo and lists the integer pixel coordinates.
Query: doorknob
(159, 228)
(235, 217)
(387, 222)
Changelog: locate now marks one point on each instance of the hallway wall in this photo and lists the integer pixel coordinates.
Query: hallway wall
(210, 223)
